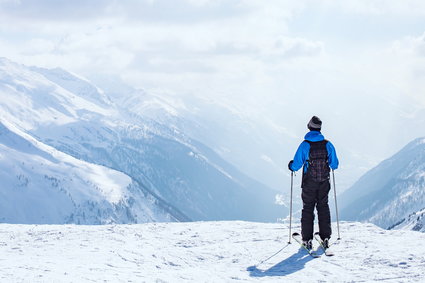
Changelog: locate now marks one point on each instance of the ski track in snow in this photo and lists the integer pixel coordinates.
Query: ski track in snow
(230, 251)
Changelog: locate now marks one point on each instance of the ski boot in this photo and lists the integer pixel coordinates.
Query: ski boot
(325, 243)
(308, 245)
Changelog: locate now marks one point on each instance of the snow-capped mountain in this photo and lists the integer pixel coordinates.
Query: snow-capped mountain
(231, 251)
(75, 117)
(259, 142)
(390, 192)
(42, 185)
(220, 124)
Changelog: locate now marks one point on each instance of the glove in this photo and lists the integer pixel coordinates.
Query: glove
(289, 165)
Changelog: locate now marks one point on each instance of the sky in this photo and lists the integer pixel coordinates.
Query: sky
(357, 64)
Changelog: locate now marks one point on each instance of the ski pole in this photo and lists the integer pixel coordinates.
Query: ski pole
(290, 207)
(336, 205)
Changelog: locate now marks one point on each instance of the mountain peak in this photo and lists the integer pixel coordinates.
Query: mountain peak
(74, 83)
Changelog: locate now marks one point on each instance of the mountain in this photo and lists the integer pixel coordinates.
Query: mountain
(258, 142)
(415, 222)
(43, 185)
(231, 251)
(222, 125)
(391, 191)
(75, 117)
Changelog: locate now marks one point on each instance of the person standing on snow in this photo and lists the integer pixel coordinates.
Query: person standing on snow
(317, 156)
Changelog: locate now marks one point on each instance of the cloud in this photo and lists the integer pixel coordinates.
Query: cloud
(53, 10)
(410, 45)
(407, 59)
(288, 47)
(155, 63)
(230, 39)
(38, 46)
(272, 59)
(237, 46)
(154, 11)
(180, 11)
(381, 7)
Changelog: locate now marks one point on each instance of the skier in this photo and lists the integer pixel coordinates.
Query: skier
(317, 156)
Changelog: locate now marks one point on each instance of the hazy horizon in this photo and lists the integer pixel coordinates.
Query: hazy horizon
(359, 65)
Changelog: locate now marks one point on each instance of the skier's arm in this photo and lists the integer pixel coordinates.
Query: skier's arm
(300, 156)
(332, 158)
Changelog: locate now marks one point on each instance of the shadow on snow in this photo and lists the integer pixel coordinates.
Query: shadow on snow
(288, 266)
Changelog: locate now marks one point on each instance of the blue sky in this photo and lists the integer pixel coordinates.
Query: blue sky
(358, 64)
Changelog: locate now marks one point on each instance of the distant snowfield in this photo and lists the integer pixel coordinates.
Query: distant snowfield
(204, 252)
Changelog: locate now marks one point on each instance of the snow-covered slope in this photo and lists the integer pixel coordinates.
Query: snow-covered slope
(30, 100)
(237, 134)
(391, 191)
(415, 222)
(204, 252)
(74, 84)
(75, 117)
(42, 185)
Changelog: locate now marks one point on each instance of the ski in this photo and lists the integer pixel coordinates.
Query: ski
(297, 237)
(319, 240)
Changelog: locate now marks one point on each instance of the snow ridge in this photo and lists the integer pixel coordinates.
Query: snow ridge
(58, 188)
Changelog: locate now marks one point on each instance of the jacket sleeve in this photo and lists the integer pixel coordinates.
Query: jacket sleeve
(332, 158)
(301, 156)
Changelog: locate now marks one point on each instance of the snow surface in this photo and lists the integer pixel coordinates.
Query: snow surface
(204, 252)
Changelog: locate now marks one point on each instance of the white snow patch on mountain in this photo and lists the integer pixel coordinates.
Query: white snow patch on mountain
(415, 222)
(31, 100)
(109, 182)
(40, 184)
(204, 252)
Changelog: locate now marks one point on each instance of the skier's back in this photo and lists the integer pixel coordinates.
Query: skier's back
(317, 156)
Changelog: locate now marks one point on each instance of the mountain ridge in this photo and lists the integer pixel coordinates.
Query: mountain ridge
(390, 191)
(60, 110)
(57, 188)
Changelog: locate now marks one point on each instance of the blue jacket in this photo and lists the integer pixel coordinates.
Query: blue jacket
(303, 152)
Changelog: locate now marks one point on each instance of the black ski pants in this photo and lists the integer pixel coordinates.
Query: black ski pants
(315, 195)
